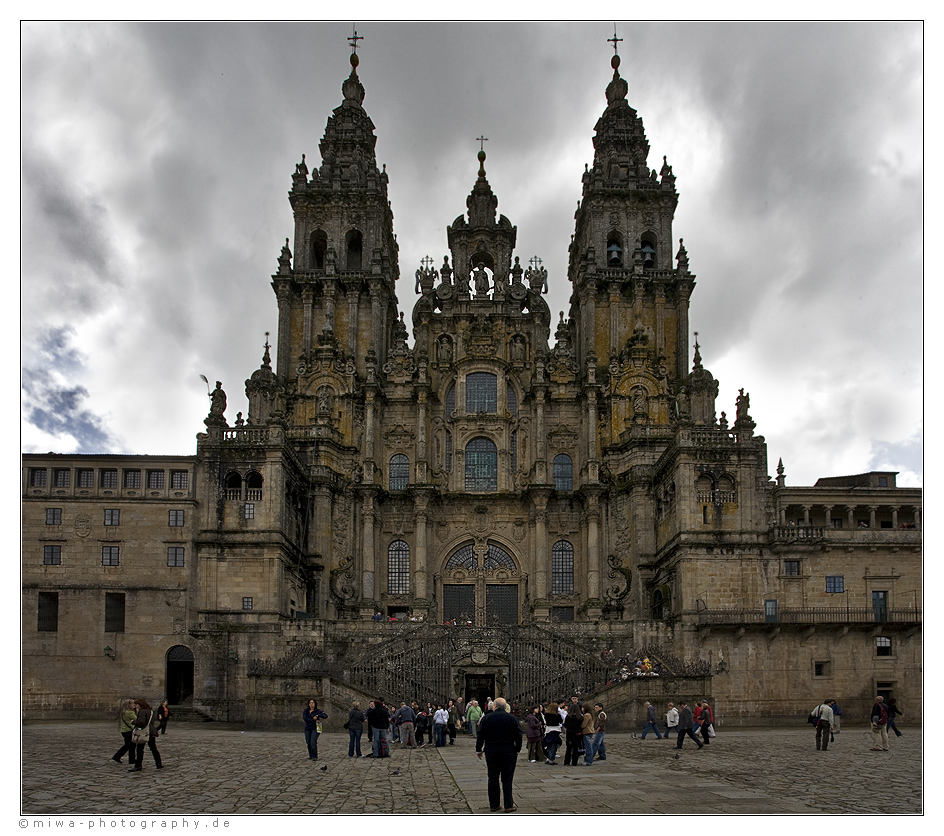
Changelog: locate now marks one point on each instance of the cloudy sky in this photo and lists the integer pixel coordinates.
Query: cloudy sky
(156, 161)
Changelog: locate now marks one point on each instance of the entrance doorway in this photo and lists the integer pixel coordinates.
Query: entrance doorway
(179, 674)
(479, 686)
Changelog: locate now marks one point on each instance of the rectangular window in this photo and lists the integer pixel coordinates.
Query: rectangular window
(109, 555)
(883, 481)
(179, 480)
(822, 669)
(86, 478)
(155, 480)
(52, 555)
(791, 567)
(883, 646)
(481, 392)
(38, 477)
(249, 511)
(247, 603)
(560, 614)
(114, 612)
(53, 516)
(62, 477)
(175, 556)
(835, 583)
(109, 478)
(47, 615)
(112, 516)
(835, 522)
(133, 479)
(175, 519)
(770, 611)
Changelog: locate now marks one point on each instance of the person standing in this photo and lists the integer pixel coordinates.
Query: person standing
(312, 717)
(499, 736)
(573, 723)
(651, 722)
(147, 720)
(671, 720)
(379, 720)
(586, 735)
(892, 711)
(824, 723)
(707, 719)
(553, 726)
(535, 732)
(599, 732)
(879, 718)
(453, 722)
(355, 729)
(686, 722)
(406, 720)
(440, 720)
(125, 725)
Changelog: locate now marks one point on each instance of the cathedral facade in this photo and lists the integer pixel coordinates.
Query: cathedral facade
(488, 511)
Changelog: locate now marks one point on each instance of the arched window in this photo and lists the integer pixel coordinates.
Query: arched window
(354, 250)
(450, 404)
(614, 249)
(398, 568)
(511, 398)
(319, 249)
(464, 558)
(481, 465)
(233, 485)
(648, 246)
(658, 604)
(399, 472)
(481, 392)
(253, 486)
(563, 472)
(562, 568)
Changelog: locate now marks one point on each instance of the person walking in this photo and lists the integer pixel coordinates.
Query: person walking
(312, 717)
(707, 720)
(824, 723)
(163, 715)
(599, 733)
(472, 717)
(651, 722)
(355, 730)
(892, 711)
(837, 716)
(499, 737)
(671, 720)
(879, 718)
(147, 722)
(125, 725)
(686, 722)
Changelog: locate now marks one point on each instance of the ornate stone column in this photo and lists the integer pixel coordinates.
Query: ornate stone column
(370, 569)
(284, 296)
(420, 571)
(307, 296)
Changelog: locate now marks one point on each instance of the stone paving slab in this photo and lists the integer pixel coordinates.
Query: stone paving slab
(219, 770)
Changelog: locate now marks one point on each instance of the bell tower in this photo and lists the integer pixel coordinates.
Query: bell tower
(630, 303)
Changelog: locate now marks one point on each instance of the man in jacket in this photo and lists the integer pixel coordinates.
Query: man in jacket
(671, 720)
(651, 722)
(405, 718)
(379, 720)
(824, 723)
(472, 717)
(499, 735)
(686, 724)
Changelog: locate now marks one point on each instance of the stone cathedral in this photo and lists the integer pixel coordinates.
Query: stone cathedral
(507, 505)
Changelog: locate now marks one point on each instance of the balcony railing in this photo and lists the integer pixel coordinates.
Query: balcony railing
(810, 615)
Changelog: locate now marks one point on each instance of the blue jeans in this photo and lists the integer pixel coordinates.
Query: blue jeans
(379, 734)
(439, 732)
(599, 747)
(354, 747)
(311, 740)
(588, 749)
(651, 725)
(552, 750)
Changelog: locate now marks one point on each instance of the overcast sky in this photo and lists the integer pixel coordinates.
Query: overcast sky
(156, 161)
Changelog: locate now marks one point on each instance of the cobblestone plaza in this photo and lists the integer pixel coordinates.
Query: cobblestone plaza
(219, 771)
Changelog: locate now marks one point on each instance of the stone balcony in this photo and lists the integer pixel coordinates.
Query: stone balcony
(805, 616)
(821, 535)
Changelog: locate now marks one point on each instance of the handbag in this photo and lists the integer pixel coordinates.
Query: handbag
(141, 735)
(347, 725)
(711, 730)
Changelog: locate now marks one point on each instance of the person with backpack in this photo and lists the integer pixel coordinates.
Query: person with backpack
(879, 719)
(824, 723)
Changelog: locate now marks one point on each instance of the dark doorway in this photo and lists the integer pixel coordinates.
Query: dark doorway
(481, 687)
(179, 674)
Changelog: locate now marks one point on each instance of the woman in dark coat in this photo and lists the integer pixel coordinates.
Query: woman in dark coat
(312, 715)
(552, 733)
(572, 726)
(146, 719)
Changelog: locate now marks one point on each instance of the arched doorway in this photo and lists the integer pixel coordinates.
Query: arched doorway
(179, 674)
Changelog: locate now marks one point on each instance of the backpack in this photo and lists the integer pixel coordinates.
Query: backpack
(882, 714)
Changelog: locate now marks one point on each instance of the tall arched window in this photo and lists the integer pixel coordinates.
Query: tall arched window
(511, 398)
(398, 568)
(233, 485)
(563, 472)
(450, 404)
(481, 392)
(481, 465)
(562, 568)
(658, 605)
(254, 486)
(399, 472)
(319, 249)
(354, 250)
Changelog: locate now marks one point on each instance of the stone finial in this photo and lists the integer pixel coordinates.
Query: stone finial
(285, 260)
(682, 257)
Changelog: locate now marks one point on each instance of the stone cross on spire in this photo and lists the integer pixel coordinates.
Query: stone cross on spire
(353, 39)
(614, 40)
(482, 140)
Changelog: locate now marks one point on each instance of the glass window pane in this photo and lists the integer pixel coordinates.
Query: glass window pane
(481, 465)
(398, 568)
(481, 392)
(563, 472)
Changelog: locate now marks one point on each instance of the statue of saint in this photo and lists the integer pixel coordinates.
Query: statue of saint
(446, 271)
(218, 400)
(480, 278)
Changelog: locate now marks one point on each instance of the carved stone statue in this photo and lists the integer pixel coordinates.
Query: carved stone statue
(446, 271)
(480, 278)
(516, 271)
(445, 351)
(217, 407)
